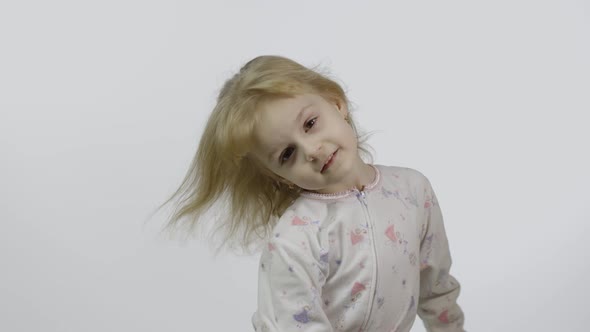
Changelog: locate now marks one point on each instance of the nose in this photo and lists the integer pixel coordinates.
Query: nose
(313, 151)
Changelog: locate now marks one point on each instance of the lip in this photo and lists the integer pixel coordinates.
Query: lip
(329, 162)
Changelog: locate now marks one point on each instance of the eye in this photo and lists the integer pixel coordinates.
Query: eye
(312, 121)
(286, 155)
(289, 151)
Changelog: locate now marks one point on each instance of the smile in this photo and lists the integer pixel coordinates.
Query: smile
(329, 162)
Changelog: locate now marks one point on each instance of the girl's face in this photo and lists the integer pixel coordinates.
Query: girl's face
(307, 141)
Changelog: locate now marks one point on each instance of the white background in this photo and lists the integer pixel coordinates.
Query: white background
(103, 103)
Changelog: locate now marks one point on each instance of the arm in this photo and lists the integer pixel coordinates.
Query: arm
(290, 280)
(437, 305)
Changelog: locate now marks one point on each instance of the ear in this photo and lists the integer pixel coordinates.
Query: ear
(342, 109)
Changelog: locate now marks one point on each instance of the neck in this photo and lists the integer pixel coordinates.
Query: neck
(362, 174)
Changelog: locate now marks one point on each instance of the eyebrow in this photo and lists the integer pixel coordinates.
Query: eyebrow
(297, 120)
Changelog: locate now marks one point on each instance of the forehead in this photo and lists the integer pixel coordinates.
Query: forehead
(277, 115)
(284, 106)
(277, 119)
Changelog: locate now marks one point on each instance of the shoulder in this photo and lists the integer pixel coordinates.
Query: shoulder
(400, 171)
(301, 221)
(298, 236)
(410, 176)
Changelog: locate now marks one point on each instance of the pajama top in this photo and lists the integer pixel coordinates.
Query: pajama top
(357, 261)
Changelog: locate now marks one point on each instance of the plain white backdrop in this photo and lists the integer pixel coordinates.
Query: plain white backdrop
(103, 103)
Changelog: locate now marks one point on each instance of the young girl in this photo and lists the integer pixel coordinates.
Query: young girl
(347, 245)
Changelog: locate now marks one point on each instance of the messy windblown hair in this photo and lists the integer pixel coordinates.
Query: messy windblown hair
(248, 197)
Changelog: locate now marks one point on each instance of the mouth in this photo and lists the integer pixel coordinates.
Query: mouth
(328, 162)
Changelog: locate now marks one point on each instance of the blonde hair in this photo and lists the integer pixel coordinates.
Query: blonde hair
(222, 170)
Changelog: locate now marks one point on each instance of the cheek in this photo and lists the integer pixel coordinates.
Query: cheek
(350, 135)
(305, 181)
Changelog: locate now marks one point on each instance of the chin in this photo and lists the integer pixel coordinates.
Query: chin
(311, 188)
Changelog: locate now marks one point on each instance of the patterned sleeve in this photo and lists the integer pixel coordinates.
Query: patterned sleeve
(291, 274)
(439, 290)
